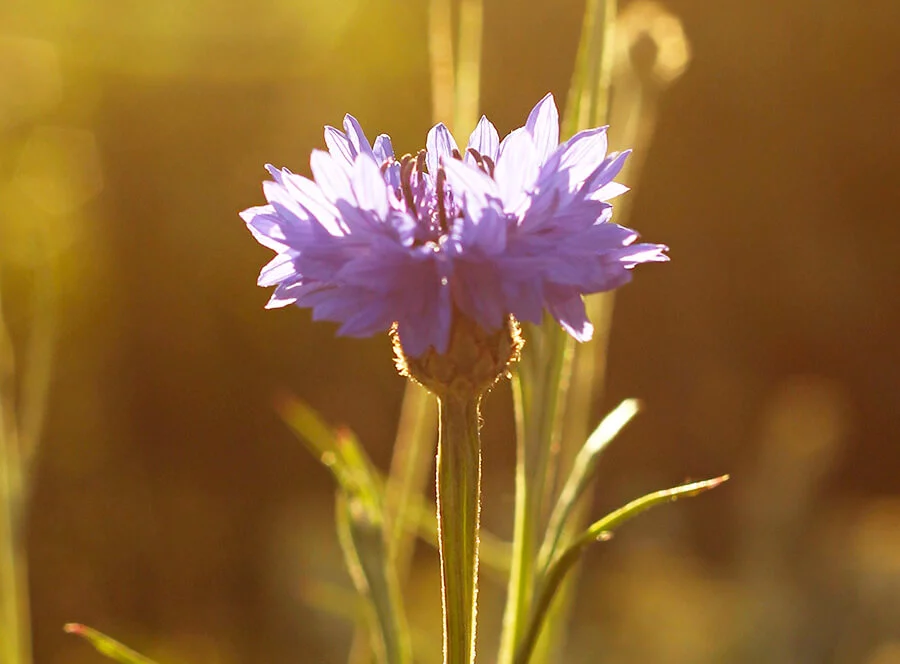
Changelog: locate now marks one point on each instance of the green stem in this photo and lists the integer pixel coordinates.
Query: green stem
(440, 57)
(600, 531)
(15, 646)
(414, 449)
(468, 66)
(539, 389)
(587, 105)
(458, 512)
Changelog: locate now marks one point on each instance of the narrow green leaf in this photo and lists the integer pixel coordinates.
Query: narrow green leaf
(468, 67)
(411, 461)
(362, 537)
(441, 62)
(360, 523)
(580, 476)
(337, 449)
(598, 531)
(540, 384)
(107, 646)
(340, 451)
(588, 97)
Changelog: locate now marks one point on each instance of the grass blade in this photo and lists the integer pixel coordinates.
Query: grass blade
(106, 645)
(598, 531)
(580, 476)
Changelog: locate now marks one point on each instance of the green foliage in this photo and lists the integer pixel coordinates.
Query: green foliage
(601, 531)
(107, 646)
(361, 528)
(580, 476)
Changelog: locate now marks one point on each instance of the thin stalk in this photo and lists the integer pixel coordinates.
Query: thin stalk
(599, 531)
(35, 387)
(587, 375)
(15, 646)
(602, 96)
(588, 105)
(440, 57)
(414, 449)
(581, 100)
(539, 387)
(468, 66)
(458, 512)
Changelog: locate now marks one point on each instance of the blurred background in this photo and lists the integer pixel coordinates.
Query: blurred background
(172, 508)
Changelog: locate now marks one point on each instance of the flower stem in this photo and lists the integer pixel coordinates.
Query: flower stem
(458, 511)
(539, 389)
(15, 646)
(414, 448)
(440, 57)
(468, 66)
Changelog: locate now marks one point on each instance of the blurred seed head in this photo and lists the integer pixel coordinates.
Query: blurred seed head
(30, 80)
(651, 41)
(875, 541)
(59, 169)
(805, 424)
(885, 653)
(56, 173)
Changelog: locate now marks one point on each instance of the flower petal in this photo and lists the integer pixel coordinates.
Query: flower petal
(356, 136)
(543, 125)
(484, 140)
(383, 149)
(368, 185)
(277, 270)
(339, 146)
(567, 307)
(439, 145)
(333, 180)
(517, 168)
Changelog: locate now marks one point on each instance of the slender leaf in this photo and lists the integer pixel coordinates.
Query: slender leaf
(598, 531)
(107, 646)
(581, 474)
(362, 537)
(342, 454)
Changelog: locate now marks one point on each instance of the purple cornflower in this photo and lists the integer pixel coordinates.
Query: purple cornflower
(511, 227)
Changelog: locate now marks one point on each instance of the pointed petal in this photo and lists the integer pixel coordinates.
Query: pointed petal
(439, 144)
(368, 185)
(273, 231)
(276, 173)
(484, 224)
(569, 312)
(339, 146)
(579, 156)
(543, 125)
(331, 178)
(517, 168)
(484, 139)
(470, 183)
(383, 149)
(643, 253)
(609, 191)
(285, 205)
(605, 172)
(277, 270)
(287, 293)
(356, 136)
(307, 194)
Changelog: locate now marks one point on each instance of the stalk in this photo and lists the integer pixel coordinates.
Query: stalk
(458, 512)
(15, 644)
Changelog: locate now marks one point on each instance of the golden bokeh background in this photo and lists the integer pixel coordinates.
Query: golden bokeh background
(172, 509)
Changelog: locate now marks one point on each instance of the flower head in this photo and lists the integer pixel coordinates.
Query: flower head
(509, 227)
